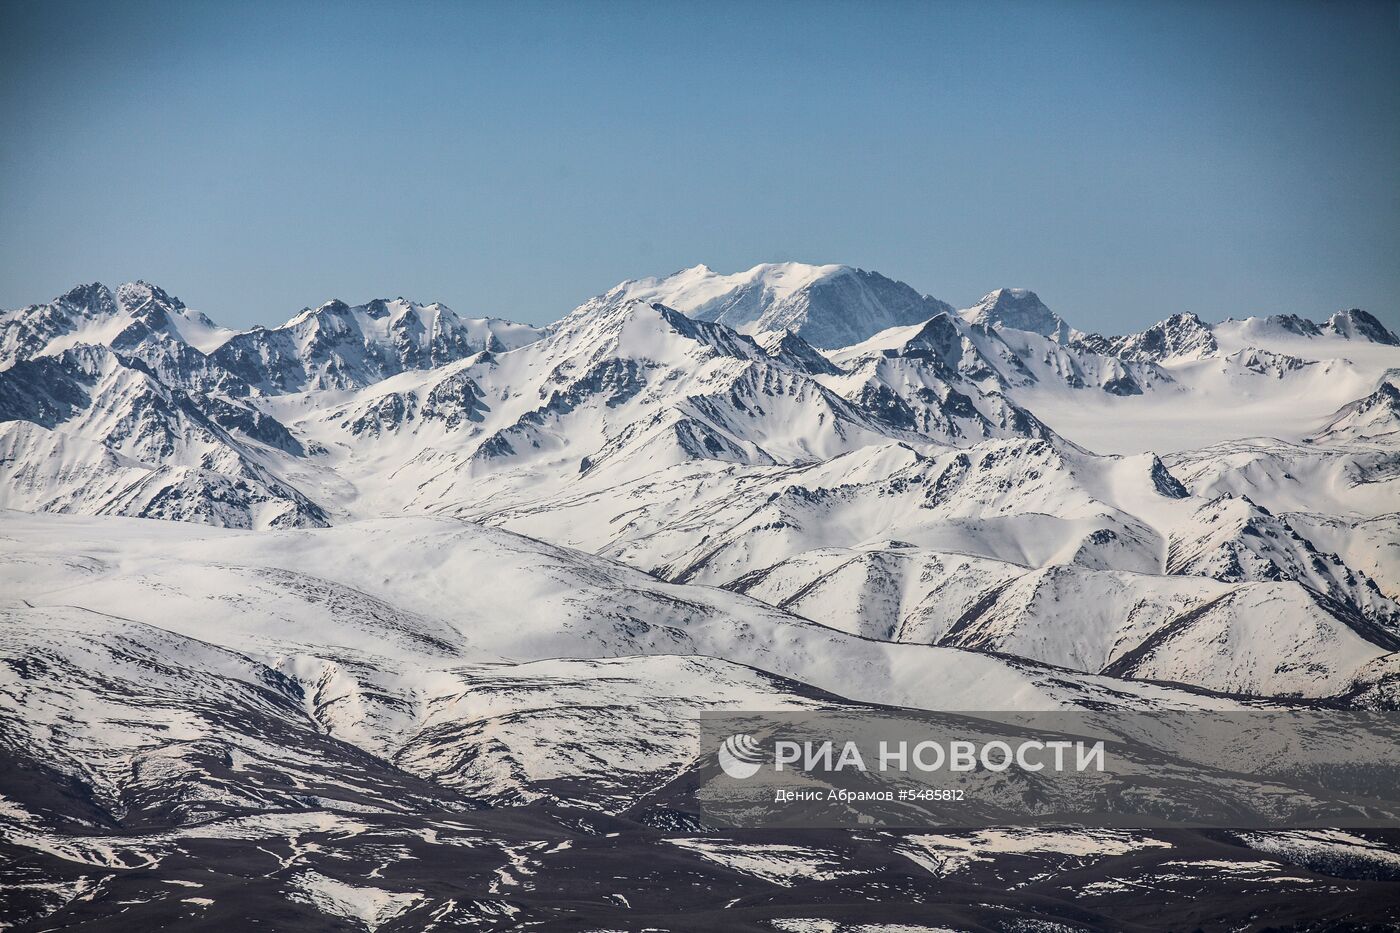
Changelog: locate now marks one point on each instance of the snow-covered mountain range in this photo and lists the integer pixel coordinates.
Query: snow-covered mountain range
(417, 561)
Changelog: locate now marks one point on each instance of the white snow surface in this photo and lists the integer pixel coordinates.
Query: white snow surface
(947, 855)
(829, 305)
(371, 907)
(453, 534)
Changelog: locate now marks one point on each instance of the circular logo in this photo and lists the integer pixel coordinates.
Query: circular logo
(740, 756)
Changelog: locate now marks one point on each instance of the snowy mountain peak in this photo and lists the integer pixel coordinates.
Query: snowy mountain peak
(1019, 309)
(829, 306)
(787, 347)
(139, 319)
(333, 309)
(1181, 336)
(379, 308)
(1371, 419)
(336, 306)
(96, 299)
(153, 312)
(1296, 325)
(643, 330)
(134, 295)
(1355, 324)
(341, 346)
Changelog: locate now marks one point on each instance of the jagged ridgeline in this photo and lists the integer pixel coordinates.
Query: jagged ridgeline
(419, 563)
(820, 438)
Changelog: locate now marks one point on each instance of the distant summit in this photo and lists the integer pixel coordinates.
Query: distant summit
(1181, 336)
(340, 346)
(1019, 309)
(1356, 324)
(828, 306)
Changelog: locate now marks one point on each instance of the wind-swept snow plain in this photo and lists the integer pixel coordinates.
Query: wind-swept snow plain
(396, 619)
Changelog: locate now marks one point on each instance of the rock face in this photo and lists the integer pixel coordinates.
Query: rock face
(91, 431)
(1181, 336)
(414, 565)
(334, 346)
(337, 346)
(1359, 325)
(140, 321)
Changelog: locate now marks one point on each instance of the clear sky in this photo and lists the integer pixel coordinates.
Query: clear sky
(1125, 160)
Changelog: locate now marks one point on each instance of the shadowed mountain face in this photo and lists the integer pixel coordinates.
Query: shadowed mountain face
(434, 601)
(1018, 309)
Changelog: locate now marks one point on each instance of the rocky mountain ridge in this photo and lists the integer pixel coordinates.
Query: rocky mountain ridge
(447, 590)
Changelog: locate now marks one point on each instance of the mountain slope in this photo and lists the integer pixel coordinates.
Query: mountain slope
(140, 321)
(1356, 324)
(1374, 419)
(1301, 648)
(903, 487)
(90, 431)
(1181, 336)
(470, 700)
(363, 628)
(1234, 540)
(136, 314)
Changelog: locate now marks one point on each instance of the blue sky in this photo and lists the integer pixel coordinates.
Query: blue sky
(1126, 161)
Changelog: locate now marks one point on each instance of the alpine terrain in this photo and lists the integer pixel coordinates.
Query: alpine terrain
(388, 618)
